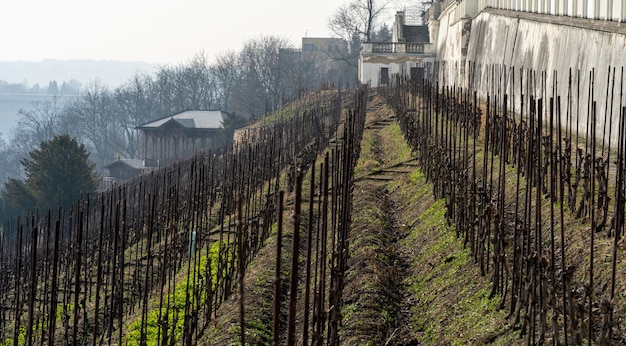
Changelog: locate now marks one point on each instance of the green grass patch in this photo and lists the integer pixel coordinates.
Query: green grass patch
(396, 149)
(183, 293)
(453, 305)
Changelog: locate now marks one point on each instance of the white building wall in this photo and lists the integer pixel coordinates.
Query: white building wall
(370, 67)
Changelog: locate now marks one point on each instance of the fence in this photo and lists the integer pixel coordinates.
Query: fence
(395, 47)
(538, 202)
(591, 9)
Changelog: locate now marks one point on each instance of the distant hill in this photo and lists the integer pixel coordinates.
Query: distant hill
(112, 73)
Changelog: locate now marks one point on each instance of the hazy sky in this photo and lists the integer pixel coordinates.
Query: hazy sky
(156, 31)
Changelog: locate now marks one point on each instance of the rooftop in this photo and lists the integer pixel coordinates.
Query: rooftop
(134, 163)
(416, 34)
(191, 119)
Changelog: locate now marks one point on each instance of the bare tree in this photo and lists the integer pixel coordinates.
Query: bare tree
(43, 121)
(358, 18)
(263, 88)
(40, 124)
(91, 118)
(10, 158)
(133, 105)
(228, 72)
(356, 21)
(196, 84)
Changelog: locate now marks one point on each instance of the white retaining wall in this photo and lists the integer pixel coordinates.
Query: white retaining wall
(594, 9)
(498, 40)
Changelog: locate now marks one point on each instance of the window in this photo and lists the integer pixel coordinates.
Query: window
(308, 47)
(417, 74)
(384, 76)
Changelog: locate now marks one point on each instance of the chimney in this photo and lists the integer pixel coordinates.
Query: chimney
(399, 26)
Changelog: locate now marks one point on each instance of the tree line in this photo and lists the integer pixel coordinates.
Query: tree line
(264, 75)
(71, 87)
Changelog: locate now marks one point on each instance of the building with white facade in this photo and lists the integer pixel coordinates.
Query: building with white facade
(409, 55)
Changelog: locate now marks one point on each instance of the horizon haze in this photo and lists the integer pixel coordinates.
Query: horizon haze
(152, 31)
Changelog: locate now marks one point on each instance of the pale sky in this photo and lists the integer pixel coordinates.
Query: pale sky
(155, 31)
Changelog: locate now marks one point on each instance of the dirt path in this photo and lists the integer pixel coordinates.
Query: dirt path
(377, 302)
(409, 279)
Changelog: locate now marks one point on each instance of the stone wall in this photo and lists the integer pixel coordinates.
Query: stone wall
(452, 42)
(551, 46)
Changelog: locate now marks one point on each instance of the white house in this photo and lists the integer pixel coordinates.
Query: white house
(409, 55)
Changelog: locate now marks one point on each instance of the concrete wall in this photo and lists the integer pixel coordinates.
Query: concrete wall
(502, 39)
(454, 26)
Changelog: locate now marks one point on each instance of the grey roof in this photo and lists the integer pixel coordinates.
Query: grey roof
(134, 163)
(192, 119)
(416, 33)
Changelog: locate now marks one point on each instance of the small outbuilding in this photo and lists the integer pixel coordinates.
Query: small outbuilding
(124, 169)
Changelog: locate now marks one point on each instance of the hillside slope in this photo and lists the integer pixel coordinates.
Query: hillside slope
(410, 281)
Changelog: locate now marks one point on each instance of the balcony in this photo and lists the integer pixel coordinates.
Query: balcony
(397, 48)
(433, 12)
(447, 3)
